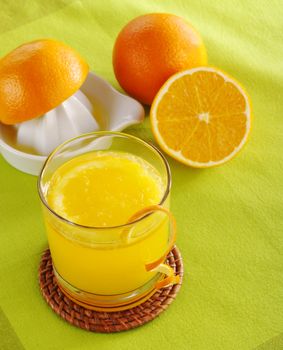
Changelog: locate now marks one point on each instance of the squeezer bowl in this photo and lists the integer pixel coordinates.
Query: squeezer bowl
(96, 106)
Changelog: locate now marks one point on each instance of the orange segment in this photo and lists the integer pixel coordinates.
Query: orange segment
(201, 117)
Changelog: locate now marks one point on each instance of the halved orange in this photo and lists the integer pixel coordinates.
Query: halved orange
(37, 77)
(201, 117)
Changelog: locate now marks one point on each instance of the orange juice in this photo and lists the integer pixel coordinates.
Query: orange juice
(101, 190)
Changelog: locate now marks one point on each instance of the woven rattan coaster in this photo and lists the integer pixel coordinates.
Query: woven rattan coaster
(107, 322)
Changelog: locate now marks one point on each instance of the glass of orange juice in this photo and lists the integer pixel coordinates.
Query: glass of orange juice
(105, 200)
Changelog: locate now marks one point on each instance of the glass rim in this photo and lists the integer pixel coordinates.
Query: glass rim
(104, 133)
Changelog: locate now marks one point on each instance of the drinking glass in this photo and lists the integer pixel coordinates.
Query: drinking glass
(116, 267)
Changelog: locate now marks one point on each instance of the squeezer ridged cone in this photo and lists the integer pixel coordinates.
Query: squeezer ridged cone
(72, 118)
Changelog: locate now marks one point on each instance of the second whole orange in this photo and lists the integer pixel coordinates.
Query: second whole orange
(150, 49)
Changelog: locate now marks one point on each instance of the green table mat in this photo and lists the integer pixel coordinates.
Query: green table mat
(229, 218)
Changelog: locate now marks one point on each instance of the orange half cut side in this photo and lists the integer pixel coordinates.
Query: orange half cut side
(201, 117)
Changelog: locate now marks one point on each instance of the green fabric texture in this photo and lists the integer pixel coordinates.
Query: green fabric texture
(229, 218)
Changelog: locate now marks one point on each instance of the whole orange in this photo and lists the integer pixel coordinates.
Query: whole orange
(36, 77)
(150, 49)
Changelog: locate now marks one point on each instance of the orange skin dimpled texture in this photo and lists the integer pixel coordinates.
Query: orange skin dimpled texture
(150, 49)
(37, 77)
